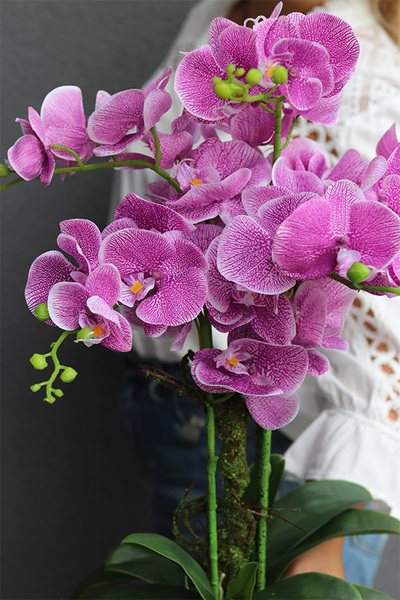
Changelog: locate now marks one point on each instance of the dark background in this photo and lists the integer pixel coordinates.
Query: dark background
(71, 485)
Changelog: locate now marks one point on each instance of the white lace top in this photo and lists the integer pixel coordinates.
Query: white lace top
(349, 422)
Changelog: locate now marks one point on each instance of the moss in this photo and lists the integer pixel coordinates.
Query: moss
(237, 528)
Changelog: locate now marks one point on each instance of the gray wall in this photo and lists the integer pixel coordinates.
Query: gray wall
(71, 486)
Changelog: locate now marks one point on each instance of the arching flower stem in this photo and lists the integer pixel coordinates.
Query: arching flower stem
(205, 341)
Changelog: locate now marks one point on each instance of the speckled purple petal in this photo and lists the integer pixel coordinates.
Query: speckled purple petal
(245, 257)
(273, 412)
(336, 36)
(46, 270)
(81, 239)
(26, 157)
(105, 282)
(148, 215)
(120, 338)
(236, 45)
(229, 157)
(318, 363)
(116, 116)
(63, 107)
(66, 301)
(276, 326)
(135, 250)
(49, 164)
(194, 85)
(304, 243)
(388, 142)
(179, 299)
(157, 103)
(123, 223)
(374, 232)
(203, 235)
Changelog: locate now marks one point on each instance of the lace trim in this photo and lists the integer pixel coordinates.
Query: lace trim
(380, 351)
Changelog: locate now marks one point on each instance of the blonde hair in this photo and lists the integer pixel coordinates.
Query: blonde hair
(387, 13)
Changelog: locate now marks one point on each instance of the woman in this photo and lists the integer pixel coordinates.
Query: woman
(348, 426)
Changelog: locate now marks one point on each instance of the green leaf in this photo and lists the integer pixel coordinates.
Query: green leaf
(97, 581)
(242, 586)
(277, 469)
(145, 564)
(370, 594)
(353, 521)
(310, 586)
(317, 502)
(165, 547)
(140, 591)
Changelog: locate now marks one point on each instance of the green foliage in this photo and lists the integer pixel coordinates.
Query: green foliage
(145, 564)
(310, 586)
(168, 570)
(308, 508)
(170, 550)
(350, 522)
(242, 586)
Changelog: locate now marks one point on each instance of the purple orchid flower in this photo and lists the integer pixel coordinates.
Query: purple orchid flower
(80, 239)
(62, 121)
(245, 250)
(134, 211)
(72, 305)
(163, 278)
(388, 187)
(218, 173)
(301, 166)
(111, 124)
(231, 305)
(307, 243)
(319, 51)
(178, 144)
(267, 375)
(177, 334)
(229, 44)
(321, 307)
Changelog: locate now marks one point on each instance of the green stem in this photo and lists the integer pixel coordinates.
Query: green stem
(205, 341)
(158, 147)
(358, 287)
(212, 501)
(74, 154)
(11, 183)
(278, 131)
(263, 471)
(289, 135)
(112, 165)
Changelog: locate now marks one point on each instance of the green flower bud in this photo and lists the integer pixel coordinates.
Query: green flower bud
(240, 72)
(222, 90)
(42, 312)
(358, 272)
(279, 75)
(68, 375)
(253, 76)
(58, 393)
(216, 79)
(231, 69)
(83, 333)
(38, 361)
(4, 170)
(35, 387)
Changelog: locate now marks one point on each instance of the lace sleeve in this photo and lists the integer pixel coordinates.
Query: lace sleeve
(357, 434)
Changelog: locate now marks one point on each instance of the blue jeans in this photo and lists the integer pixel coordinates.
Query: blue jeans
(170, 435)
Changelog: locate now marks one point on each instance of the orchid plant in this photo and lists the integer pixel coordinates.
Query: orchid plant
(257, 236)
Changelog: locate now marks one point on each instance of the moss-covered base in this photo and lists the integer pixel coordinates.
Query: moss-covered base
(237, 529)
